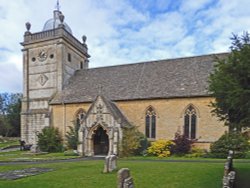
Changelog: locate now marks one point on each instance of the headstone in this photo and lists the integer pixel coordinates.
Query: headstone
(128, 183)
(230, 159)
(229, 175)
(226, 168)
(225, 182)
(110, 163)
(106, 165)
(124, 179)
(34, 148)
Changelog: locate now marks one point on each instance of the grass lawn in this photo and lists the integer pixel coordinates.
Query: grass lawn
(155, 174)
(148, 172)
(242, 175)
(28, 156)
(9, 143)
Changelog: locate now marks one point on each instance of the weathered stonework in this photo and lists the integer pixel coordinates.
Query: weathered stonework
(46, 70)
(110, 163)
(101, 114)
(124, 179)
(169, 114)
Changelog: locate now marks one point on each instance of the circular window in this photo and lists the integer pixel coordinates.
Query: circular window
(51, 56)
(33, 59)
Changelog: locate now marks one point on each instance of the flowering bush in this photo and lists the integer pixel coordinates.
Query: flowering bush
(161, 148)
(182, 145)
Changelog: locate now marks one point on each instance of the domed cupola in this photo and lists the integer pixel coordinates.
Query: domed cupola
(55, 22)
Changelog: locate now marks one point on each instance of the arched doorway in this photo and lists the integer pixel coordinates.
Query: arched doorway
(101, 142)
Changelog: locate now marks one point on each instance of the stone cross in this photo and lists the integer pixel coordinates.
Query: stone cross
(124, 179)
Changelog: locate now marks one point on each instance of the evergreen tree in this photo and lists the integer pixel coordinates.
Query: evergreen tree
(230, 85)
(72, 136)
(50, 140)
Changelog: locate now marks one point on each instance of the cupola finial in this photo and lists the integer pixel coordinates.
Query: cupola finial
(58, 5)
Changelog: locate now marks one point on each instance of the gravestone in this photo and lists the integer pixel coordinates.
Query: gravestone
(124, 179)
(110, 163)
(34, 148)
(229, 175)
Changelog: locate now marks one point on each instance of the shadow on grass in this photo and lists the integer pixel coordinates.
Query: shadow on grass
(242, 177)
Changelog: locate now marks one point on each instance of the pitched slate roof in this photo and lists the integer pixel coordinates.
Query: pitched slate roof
(182, 77)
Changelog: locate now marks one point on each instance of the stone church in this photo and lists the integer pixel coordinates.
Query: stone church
(160, 97)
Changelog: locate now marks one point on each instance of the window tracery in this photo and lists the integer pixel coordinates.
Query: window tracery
(190, 122)
(150, 120)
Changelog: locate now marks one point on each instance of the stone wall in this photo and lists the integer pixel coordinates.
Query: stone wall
(169, 114)
(170, 117)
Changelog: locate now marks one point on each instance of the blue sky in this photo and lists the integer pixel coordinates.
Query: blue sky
(124, 31)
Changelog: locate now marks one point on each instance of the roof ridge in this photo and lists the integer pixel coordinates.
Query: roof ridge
(161, 60)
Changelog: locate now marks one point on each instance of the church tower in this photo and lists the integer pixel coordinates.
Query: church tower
(50, 58)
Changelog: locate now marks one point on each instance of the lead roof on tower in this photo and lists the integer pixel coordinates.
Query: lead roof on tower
(54, 22)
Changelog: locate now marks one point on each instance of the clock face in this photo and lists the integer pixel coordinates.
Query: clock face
(42, 55)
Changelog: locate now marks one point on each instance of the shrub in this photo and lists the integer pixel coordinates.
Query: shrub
(72, 136)
(130, 141)
(49, 140)
(161, 148)
(182, 145)
(230, 141)
(196, 152)
(247, 155)
(143, 145)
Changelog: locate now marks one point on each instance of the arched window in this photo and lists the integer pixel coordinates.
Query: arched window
(150, 120)
(80, 115)
(190, 122)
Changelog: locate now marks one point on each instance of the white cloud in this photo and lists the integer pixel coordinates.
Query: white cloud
(124, 31)
(11, 74)
(191, 6)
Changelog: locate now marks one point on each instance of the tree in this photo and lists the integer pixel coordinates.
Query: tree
(234, 141)
(130, 141)
(49, 140)
(230, 85)
(10, 108)
(72, 136)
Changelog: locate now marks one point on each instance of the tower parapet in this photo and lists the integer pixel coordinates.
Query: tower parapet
(57, 33)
